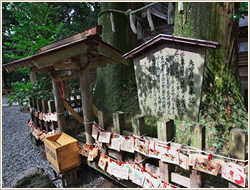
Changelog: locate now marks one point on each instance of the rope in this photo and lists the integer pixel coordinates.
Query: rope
(132, 18)
(112, 22)
(132, 23)
(150, 20)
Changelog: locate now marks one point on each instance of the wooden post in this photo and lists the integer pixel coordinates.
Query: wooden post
(61, 120)
(31, 105)
(138, 125)
(165, 132)
(45, 110)
(237, 148)
(35, 106)
(118, 122)
(103, 122)
(52, 109)
(103, 118)
(86, 96)
(197, 141)
(119, 126)
(39, 108)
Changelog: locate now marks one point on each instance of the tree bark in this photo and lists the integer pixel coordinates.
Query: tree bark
(116, 86)
(211, 21)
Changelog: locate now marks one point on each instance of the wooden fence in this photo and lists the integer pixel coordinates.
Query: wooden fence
(165, 132)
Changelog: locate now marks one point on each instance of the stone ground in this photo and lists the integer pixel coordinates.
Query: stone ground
(19, 154)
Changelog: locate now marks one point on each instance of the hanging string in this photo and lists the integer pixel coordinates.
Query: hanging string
(112, 22)
(132, 23)
(150, 21)
(139, 30)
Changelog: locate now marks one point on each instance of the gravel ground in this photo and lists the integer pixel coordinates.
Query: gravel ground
(19, 154)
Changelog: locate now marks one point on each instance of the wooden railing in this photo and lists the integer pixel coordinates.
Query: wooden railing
(165, 132)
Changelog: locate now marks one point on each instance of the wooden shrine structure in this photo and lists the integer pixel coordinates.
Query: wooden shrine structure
(79, 52)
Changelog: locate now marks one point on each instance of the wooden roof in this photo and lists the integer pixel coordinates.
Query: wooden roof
(165, 37)
(63, 54)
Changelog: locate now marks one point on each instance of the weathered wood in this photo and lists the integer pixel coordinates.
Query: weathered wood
(103, 118)
(52, 109)
(86, 98)
(197, 141)
(73, 112)
(31, 105)
(35, 106)
(179, 179)
(45, 69)
(138, 125)
(61, 120)
(165, 132)
(112, 54)
(119, 126)
(45, 60)
(65, 66)
(39, 108)
(118, 122)
(97, 30)
(45, 109)
(237, 148)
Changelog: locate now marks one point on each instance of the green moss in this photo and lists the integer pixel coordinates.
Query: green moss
(115, 88)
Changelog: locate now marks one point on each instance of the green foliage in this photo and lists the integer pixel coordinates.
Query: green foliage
(241, 12)
(23, 90)
(37, 26)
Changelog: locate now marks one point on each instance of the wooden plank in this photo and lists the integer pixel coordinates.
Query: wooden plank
(179, 179)
(237, 148)
(97, 30)
(65, 66)
(198, 141)
(165, 133)
(47, 59)
(73, 112)
(112, 54)
(45, 69)
(95, 110)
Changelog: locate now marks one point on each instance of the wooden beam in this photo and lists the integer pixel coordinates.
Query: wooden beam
(65, 66)
(45, 69)
(49, 58)
(97, 30)
(112, 54)
(73, 112)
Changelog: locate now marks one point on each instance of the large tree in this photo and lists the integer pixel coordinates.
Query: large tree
(116, 87)
(222, 105)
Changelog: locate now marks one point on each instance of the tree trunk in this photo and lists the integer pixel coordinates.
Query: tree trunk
(211, 21)
(222, 102)
(116, 86)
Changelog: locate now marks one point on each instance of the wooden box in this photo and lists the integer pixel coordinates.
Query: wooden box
(62, 152)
